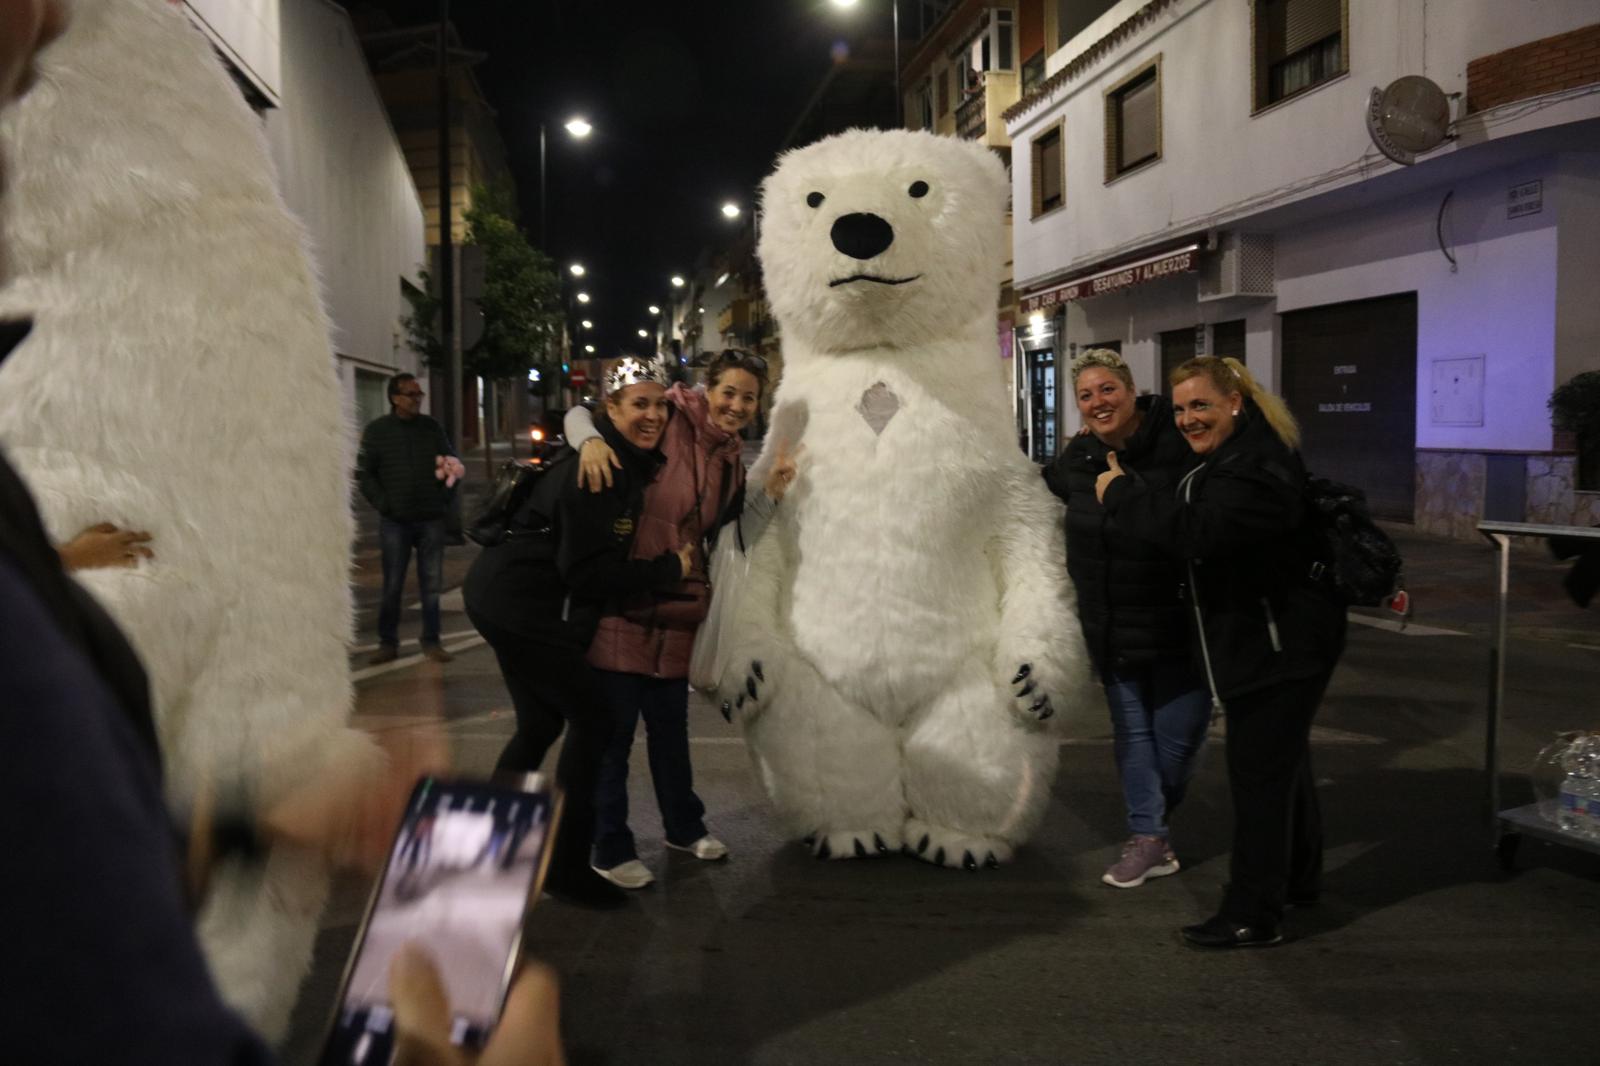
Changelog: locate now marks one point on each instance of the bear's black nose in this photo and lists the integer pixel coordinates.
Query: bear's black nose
(862, 236)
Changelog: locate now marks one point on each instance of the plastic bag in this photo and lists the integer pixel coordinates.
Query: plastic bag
(713, 640)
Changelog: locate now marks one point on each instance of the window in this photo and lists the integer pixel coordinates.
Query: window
(1297, 44)
(1033, 71)
(1049, 191)
(1074, 16)
(1133, 121)
(924, 111)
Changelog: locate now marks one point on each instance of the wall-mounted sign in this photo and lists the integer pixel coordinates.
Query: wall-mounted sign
(1457, 397)
(1525, 199)
(1181, 261)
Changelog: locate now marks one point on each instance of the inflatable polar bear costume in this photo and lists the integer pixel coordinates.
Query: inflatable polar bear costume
(908, 624)
(180, 380)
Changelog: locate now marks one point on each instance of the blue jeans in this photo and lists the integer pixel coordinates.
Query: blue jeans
(1159, 716)
(397, 539)
(664, 704)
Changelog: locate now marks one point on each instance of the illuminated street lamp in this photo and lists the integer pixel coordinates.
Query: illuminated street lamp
(583, 297)
(730, 210)
(589, 348)
(654, 310)
(578, 127)
(643, 333)
(586, 324)
(577, 270)
(677, 281)
(899, 103)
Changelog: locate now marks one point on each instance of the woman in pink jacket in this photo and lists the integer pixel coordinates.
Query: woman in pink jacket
(641, 650)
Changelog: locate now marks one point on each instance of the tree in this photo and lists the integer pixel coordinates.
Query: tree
(1575, 408)
(520, 303)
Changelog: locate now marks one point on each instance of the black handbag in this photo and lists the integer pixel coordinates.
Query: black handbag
(513, 486)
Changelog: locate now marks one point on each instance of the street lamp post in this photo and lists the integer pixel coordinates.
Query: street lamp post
(578, 128)
(899, 98)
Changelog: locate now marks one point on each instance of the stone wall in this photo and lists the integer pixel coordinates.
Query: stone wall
(1450, 489)
(1552, 494)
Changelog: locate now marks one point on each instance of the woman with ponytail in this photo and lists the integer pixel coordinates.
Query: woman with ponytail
(1268, 635)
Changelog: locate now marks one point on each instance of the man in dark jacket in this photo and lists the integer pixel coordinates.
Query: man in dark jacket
(405, 471)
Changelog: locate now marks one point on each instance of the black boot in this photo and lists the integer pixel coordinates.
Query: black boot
(1221, 932)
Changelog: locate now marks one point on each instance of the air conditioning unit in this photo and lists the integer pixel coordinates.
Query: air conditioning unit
(1240, 266)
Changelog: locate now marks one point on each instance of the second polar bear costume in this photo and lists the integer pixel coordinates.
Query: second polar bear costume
(907, 631)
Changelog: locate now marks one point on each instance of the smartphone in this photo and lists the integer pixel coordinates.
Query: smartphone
(465, 867)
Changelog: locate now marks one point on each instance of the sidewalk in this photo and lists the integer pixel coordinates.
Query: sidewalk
(1453, 585)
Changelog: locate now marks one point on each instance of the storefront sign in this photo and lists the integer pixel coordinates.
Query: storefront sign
(1182, 261)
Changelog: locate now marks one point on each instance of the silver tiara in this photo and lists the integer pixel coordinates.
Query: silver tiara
(630, 371)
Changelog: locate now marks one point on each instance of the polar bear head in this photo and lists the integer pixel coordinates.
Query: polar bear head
(884, 238)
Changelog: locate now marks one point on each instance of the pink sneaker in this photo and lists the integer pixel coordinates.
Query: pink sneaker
(1142, 858)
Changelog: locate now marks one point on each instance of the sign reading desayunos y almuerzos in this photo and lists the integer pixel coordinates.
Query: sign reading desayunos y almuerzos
(1179, 262)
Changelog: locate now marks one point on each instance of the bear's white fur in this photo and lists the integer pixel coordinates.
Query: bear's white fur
(179, 379)
(909, 574)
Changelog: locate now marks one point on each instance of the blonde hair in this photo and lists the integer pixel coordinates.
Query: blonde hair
(1104, 358)
(1229, 375)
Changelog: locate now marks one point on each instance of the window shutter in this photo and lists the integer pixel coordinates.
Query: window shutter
(1140, 120)
(1305, 22)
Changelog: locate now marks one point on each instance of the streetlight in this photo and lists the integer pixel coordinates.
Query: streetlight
(589, 348)
(586, 324)
(730, 210)
(583, 297)
(677, 281)
(577, 270)
(578, 129)
(644, 333)
(899, 101)
(654, 310)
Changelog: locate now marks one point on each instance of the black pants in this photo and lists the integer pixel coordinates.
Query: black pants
(1277, 824)
(552, 688)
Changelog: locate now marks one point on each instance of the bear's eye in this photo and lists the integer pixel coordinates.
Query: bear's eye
(918, 189)
(815, 199)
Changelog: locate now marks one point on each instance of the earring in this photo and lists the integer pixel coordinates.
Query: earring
(1235, 412)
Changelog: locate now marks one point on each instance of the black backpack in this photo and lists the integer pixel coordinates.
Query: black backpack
(1352, 557)
(513, 488)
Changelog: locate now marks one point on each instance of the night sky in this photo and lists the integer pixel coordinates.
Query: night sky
(690, 100)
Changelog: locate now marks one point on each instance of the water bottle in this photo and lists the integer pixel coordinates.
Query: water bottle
(1572, 814)
(1590, 827)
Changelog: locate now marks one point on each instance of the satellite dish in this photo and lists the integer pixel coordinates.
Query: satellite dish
(1408, 118)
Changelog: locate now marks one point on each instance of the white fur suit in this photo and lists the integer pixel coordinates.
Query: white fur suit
(179, 379)
(908, 628)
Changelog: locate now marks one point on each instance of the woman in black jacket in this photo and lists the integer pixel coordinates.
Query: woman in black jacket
(1131, 607)
(538, 596)
(1269, 633)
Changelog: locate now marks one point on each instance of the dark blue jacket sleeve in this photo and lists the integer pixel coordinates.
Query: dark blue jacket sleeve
(100, 962)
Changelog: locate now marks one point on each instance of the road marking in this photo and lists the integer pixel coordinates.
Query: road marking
(410, 660)
(1585, 647)
(364, 648)
(1411, 630)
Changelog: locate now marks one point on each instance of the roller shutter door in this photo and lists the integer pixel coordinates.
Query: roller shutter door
(1350, 377)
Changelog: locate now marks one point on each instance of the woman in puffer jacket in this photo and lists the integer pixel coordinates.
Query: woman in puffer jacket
(1269, 632)
(641, 650)
(1131, 607)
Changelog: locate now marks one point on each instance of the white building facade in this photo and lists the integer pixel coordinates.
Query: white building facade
(1197, 177)
(341, 170)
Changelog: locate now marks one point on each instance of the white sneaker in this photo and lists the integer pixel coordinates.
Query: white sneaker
(707, 847)
(630, 874)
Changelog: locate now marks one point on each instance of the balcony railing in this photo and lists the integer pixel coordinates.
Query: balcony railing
(971, 118)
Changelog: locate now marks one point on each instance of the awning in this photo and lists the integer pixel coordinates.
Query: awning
(1174, 261)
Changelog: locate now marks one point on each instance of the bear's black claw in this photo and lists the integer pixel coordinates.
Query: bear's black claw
(727, 711)
(877, 842)
(823, 851)
(1027, 689)
(750, 686)
(755, 668)
(922, 845)
(861, 849)
(968, 862)
(938, 857)
(1022, 673)
(990, 862)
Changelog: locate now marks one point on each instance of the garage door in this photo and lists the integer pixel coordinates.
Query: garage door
(1350, 377)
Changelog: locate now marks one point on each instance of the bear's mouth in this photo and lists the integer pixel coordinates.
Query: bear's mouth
(872, 277)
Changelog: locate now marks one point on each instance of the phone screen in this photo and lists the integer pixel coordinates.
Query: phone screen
(464, 864)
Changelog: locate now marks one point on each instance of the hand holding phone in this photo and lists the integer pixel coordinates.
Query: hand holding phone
(460, 877)
(529, 1033)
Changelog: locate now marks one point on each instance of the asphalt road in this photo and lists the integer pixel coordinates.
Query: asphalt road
(1421, 951)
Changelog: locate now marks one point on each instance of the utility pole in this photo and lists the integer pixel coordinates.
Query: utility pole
(447, 266)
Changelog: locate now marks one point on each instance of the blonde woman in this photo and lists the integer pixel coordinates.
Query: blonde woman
(1268, 633)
